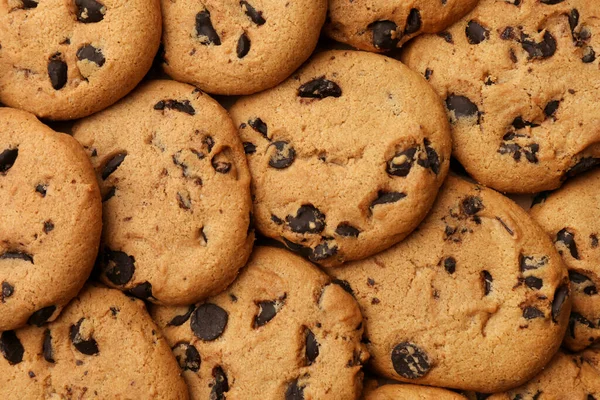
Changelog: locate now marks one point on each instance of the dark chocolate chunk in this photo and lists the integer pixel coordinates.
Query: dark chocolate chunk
(266, 312)
(530, 262)
(57, 71)
(243, 46)
(48, 226)
(312, 347)
(323, 251)
(413, 22)
(574, 318)
(284, 155)
(142, 291)
(385, 34)
(476, 33)
(428, 73)
(347, 230)
(11, 347)
(401, 163)
(534, 282)
(319, 88)
(432, 160)
(551, 2)
(308, 219)
(28, 4)
(545, 49)
(183, 106)
(259, 126)
(594, 240)
(84, 345)
(204, 29)
(450, 265)
(41, 316)
(410, 361)
(209, 321)
(294, 391)
(187, 357)
(384, 197)
(7, 291)
(255, 16)
(7, 159)
(249, 148)
(582, 165)
(90, 11)
(573, 19)
(117, 266)
(344, 284)
(41, 189)
(179, 320)
(17, 255)
(447, 36)
(462, 106)
(540, 198)
(551, 108)
(568, 239)
(577, 277)
(589, 55)
(487, 279)
(560, 296)
(47, 347)
(471, 205)
(221, 167)
(92, 54)
(220, 385)
(508, 33)
(276, 219)
(113, 163)
(110, 194)
(532, 313)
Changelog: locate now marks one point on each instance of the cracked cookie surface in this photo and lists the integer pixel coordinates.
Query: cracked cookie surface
(66, 59)
(519, 79)
(381, 25)
(570, 216)
(344, 162)
(50, 220)
(476, 281)
(175, 191)
(253, 44)
(104, 345)
(282, 330)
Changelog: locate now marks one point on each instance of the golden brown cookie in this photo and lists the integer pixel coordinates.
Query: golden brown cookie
(409, 392)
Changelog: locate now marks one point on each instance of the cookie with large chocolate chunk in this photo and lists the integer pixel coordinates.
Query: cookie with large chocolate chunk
(282, 330)
(66, 59)
(175, 191)
(478, 280)
(518, 81)
(50, 220)
(346, 156)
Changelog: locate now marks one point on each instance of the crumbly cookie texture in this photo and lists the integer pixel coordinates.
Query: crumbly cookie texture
(103, 345)
(518, 79)
(381, 25)
(283, 330)
(253, 44)
(478, 280)
(50, 220)
(408, 392)
(344, 162)
(570, 216)
(175, 190)
(67, 59)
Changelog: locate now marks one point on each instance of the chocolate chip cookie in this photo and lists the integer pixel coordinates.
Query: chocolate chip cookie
(251, 44)
(344, 162)
(175, 191)
(104, 345)
(381, 25)
(66, 59)
(409, 392)
(283, 330)
(478, 282)
(518, 79)
(570, 217)
(50, 220)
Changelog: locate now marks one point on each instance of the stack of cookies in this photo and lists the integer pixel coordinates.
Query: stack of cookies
(301, 200)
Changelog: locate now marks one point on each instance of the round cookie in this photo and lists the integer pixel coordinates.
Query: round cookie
(344, 163)
(409, 392)
(253, 44)
(570, 216)
(382, 25)
(176, 193)
(104, 345)
(567, 376)
(517, 79)
(50, 220)
(478, 282)
(66, 59)
(283, 329)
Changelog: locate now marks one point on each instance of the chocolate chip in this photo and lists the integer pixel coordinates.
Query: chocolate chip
(16, 255)
(589, 55)
(508, 33)
(551, 108)
(520, 123)
(11, 347)
(574, 318)
(118, 266)
(109, 195)
(47, 347)
(319, 88)
(384, 197)
(577, 277)
(534, 282)
(551, 2)
(7, 159)
(184, 201)
(249, 148)
(471, 205)
(428, 73)
(401, 163)
(87, 346)
(308, 219)
(221, 167)
(298, 248)
(204, 29)
(7, 291)
(530, 262)
(259, 126)
(113, 163)
(243, 46)
(41, 316)
(284, 155)
(568, 239)
(312, 347)
(540, 198)
(487, 279)
(461, 106)
(255, 16)
(41, 189)
(220, 385)
(450, 265)
(48, 226)
(413, 22)
(266, 312)
(209, 142)
(142, 291)
(560, 295)
(545, 49)
(179, 320)
(410, 361)
(385, 34)
(209, 321)
(447, 36)
(476, 33)
(344, 284)
(276, 219)
(532, 313)
(347, 230)
(582, 165)
(432, 160)
(187, 357)
(294, 391)
(57, 71)
(322, 252)
(183, 106)
(594, 240)
(590, 290)
(28, 4)
(573, 19)
(90, 11)
(92, 54)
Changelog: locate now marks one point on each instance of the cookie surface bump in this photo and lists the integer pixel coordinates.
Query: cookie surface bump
(239, 47)
(66, 59)
(176, 193)
(570, 216)
(282, 330)
(476, 281)
(104, 345)
(344, 162)
(50, 220)
(517, 78)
